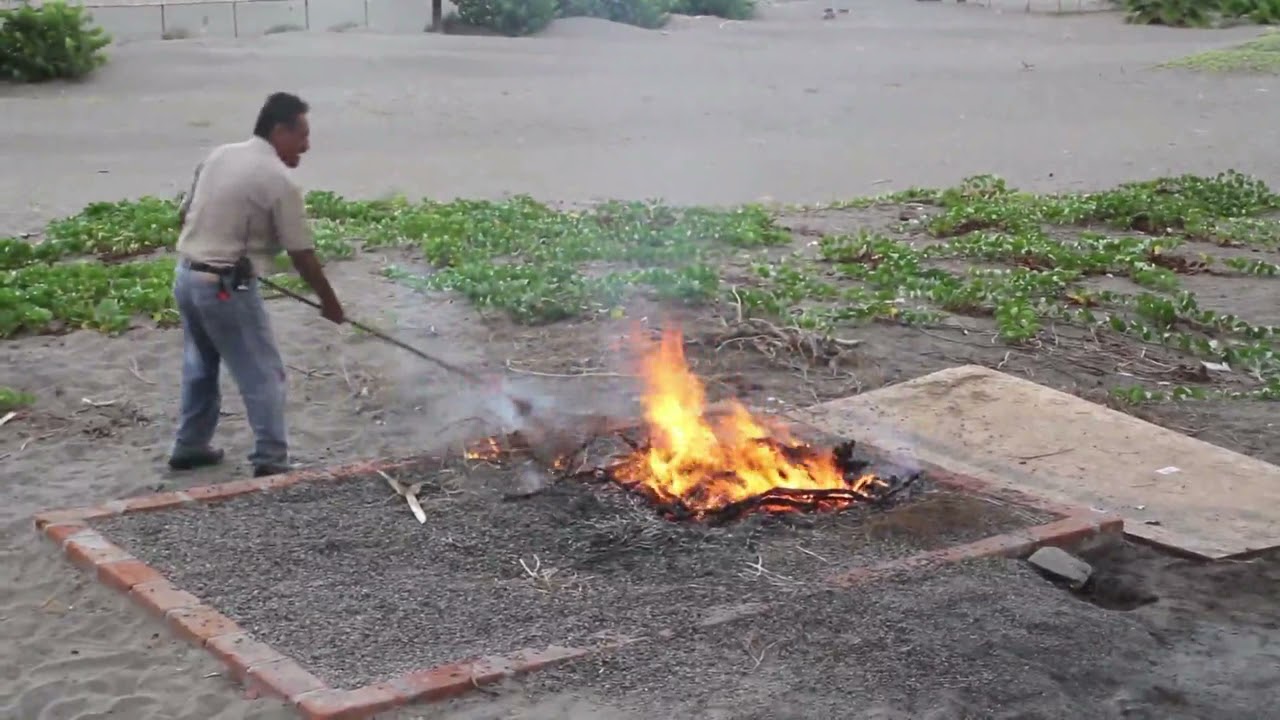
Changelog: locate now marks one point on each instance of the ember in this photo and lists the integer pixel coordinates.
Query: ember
(695, 462)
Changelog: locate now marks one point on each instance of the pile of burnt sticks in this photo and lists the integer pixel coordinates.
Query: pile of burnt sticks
(608, 456)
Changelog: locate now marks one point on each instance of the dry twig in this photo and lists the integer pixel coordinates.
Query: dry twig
(97, 403)
(756, 650)
(133, 369)
(575, 372)
(410, 495)
(758, 570)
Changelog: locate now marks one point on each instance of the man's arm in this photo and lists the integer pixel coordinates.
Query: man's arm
(185, 207)
(308, 266)
(290, 218)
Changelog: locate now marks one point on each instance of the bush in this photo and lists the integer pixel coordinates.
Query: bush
(1201, 13)
(641, 13)
(1262, 12)
(728, 9)
(509, 17)
(525, 17)
(53, 41)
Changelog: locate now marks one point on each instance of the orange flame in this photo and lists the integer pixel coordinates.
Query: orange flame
(484, 449)
(706, 462)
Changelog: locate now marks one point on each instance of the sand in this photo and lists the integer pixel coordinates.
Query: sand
(788, 107)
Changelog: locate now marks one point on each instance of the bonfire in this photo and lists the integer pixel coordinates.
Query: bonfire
(696, 461)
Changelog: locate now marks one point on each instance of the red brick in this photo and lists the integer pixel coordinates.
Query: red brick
(1075, 531)
(155, 502)
(88, 549)
(201, 623)
(529, 660)
(160, 598)
(73, 515)
(1111, 524)
(275, 482)
(447, 681)
(58, 533)
(286, 679)
(123, 575)
(225, 490)
(443, 682)
(241, 652)
(956, 481)
(1006, 545)
(358, 704)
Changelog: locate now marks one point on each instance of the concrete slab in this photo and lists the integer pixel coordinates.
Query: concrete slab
(1171, 489)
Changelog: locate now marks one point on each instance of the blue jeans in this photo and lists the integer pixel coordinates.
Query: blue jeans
(234, 330)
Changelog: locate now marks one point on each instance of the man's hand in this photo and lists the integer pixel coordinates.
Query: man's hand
(333, 312)
(308, 266)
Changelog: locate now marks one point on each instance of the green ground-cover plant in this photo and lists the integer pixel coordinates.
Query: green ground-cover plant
(12, 399)
(91, 295)
(52, 41)
(1021, 262)
(518, 256)
(1261, 55)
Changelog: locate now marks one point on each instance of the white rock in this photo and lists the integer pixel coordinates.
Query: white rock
(1062, 565)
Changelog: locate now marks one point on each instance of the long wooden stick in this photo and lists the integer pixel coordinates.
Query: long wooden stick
(522, 405)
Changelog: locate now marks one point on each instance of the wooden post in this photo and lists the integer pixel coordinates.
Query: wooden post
(437, 15)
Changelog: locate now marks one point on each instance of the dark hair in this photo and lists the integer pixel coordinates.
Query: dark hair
(281, 108)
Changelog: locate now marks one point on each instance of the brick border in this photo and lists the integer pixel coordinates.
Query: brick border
(264, 669)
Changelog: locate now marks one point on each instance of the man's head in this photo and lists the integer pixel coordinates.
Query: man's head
(282, 121)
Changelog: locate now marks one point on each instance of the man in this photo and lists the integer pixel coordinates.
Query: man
(241, 211)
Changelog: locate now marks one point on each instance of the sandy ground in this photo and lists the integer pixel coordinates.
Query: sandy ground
(790, 107)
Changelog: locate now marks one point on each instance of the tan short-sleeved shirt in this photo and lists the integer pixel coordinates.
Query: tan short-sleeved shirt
(242, 200)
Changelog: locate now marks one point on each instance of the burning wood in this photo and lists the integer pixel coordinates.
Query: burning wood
(716, 466)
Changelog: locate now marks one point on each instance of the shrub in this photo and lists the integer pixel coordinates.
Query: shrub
(1262, 12)
(1201, 13)
(728, 9)
(509, 17)
(53, 41)
(641, 13)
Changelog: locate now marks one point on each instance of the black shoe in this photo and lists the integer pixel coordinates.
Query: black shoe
(272, 469)
(193, 459)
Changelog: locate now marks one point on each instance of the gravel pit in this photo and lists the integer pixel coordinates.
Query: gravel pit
(341, 577)
(983, 639)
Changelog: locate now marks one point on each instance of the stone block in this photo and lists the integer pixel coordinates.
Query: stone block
(1062, 565)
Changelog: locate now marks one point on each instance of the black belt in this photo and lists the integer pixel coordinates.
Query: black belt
(219, 270)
